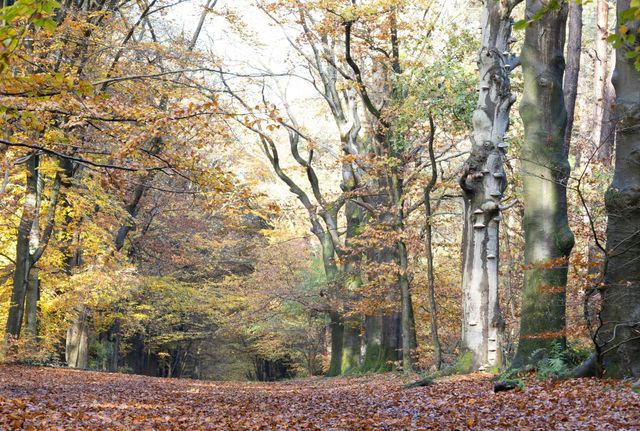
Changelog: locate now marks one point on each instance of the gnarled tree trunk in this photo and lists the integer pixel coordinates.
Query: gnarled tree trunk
(548, 239)
(618, 338)
(483, 183)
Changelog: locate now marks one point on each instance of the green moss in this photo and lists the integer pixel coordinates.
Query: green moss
(464, 363)
(376, 360)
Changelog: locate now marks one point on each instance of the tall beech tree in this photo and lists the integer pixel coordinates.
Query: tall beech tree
(545, 171)
(483, 182)
(618, 337)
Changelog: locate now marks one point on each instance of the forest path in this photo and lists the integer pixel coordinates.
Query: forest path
(51, 399)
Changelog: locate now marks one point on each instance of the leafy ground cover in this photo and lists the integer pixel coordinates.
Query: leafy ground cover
(46, 398)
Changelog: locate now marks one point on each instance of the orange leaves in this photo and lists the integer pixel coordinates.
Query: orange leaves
(47, 399)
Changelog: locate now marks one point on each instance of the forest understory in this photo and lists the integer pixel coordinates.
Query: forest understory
(36, 398)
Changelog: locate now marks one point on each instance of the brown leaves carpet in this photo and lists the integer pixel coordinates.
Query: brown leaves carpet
(34, 398)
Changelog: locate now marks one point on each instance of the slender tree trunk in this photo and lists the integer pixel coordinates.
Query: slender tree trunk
(408, 325)
(483, 183)
(431, 280)
(574, 51)
(618, 338)
(428, 246)
(23, 255)
(548, 239)
(603, 125)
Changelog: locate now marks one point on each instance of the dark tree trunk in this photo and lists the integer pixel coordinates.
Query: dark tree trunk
(618, 338)
(428, 246)
(23, 255)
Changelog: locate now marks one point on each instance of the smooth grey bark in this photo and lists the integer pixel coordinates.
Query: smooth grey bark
(545, 171)
(618, 337)
(572, 73)
(483, 182)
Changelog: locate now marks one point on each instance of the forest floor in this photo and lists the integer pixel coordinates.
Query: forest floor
(51, 399)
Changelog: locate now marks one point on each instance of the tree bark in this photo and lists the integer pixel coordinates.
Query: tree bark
(351, 346)
(574, 51)
(603, 124)
(618, 337)
(428, 246)
(77, 341)
(548, 239)
(23, 255)
(483, 183)
(31, 303)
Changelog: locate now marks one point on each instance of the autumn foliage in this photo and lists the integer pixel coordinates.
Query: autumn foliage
(50, 399)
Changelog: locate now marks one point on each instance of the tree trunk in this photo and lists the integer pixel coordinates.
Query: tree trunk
(408, 325)
(603, 126)
(428, 246)
(483, 183)
(548, 239)
(351, 346)
(574, 50)
(336, 324)
(77, 341)
(618, 338)
(31, 303)
(377, 356)
(408, 330)
(352, 276)
(23, 255)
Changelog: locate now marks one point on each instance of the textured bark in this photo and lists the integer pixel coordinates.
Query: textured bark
(378, 353)
(603, 125)
(23, 255)
(336, 324)
(409, 342)
(483, 183)
(77, 341)
(31, 303)
(574, 51)
(428, 246)
(618, 338)
(548, 239)
(337, 334)
(351, 346)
